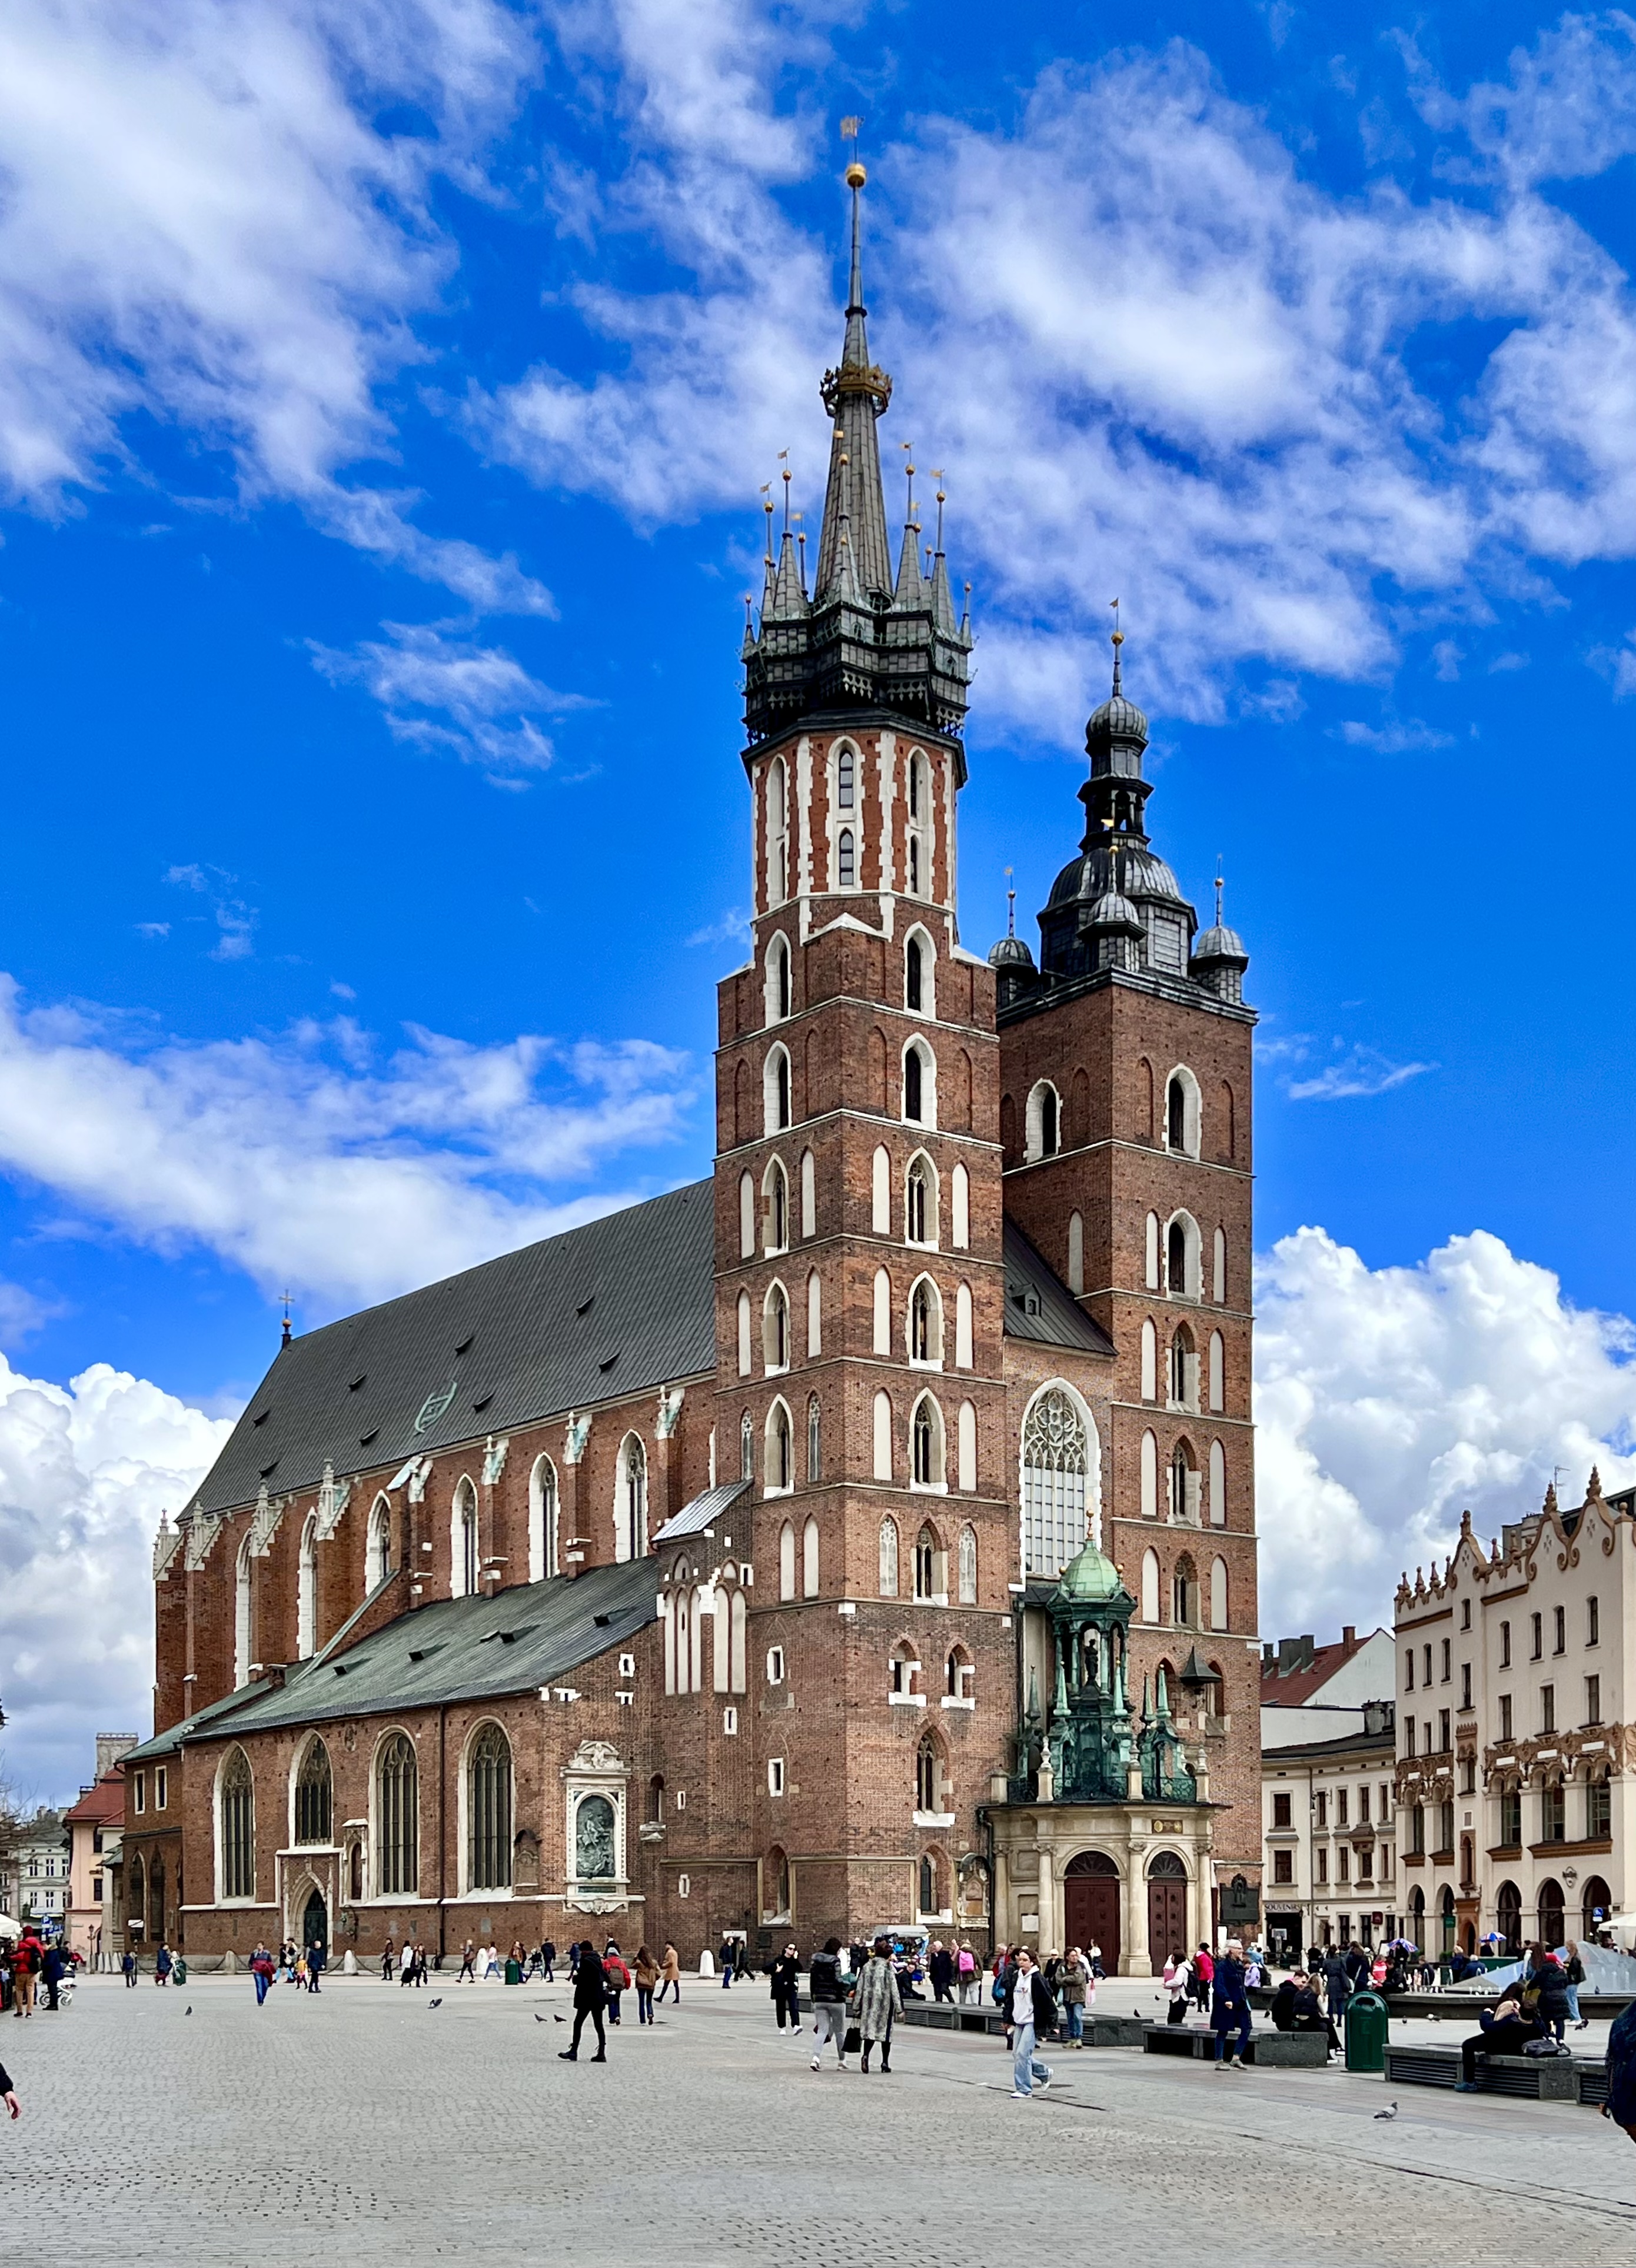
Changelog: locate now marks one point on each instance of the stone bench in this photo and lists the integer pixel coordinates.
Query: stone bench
(1267, 2051)
(988, 2022)
(1537, 2079)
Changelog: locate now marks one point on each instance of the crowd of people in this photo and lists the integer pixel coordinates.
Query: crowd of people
(36, 1972)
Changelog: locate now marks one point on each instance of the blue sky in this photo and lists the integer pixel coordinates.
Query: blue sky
(386, 395)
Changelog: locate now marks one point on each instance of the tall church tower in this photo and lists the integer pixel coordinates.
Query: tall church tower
(860, 1396)
(1125, 1124)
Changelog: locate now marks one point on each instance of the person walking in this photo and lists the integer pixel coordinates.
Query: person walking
(1032, 2011)
(128, 1963)
(724, 1957)
(829, 2004)
(388, 1958)
(617, 1977)
(646, 1975)
(261, 1970)
(1074, 1983)
(24, 1965)
(1230, 2010)
(163, 1964)
(787, 1990)
(468, 1964)
(1573, 1970)
(1179, 1985)
(1334, 1970)
(878, 2002)
(966, 1969)
(941, 1971)
(547, 1961)
(52, 1964)
(1204, 1977)
(670, 1975)
(590, 1995)
(314, 1964)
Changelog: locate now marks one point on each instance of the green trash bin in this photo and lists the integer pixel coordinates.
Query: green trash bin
(1367, 2019)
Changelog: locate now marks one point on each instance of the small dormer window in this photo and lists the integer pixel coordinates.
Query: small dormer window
(1164, 941)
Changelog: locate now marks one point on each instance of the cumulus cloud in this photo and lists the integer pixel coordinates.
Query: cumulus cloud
(1389, 1401)
(84, 1472)
(317, 1157)
(442, 691)
(207, 220)
(1144, 340)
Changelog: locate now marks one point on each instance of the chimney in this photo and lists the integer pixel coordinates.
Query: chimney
(1349, 1634)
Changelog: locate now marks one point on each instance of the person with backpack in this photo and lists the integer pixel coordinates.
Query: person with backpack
(617, 1977)
(966, 1971)
(24, 1964)
(1076, 1986)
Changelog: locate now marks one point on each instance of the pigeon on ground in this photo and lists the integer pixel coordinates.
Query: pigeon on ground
(1390, 2112)
(187, 2011)
(437, 2003)
(556, 2019)
(539, 2019)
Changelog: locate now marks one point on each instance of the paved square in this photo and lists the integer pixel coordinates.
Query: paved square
(365, 2126)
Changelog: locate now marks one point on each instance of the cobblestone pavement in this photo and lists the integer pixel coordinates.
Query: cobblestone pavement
(364, 2126)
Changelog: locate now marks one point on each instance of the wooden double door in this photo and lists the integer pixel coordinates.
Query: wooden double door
(1090, 1914)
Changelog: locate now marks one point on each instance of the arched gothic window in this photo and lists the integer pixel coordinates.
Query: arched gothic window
(463, 1543)
(913, 973)
(913, 1098)
(241, 1616)
(306, 1590)
(786, 1561)
(1045, 1126)
(845, 780)
(967, 1566)
(778, 832)
(489, 1811)
(780, 1473)
(542, 1534)
(809, 1557)
(633, 1498)
(397, 1819)
(746, 1449)
(920, 1208)
(925, 1323)
(1056, 1478)
(889, 1557)
(776, 1196)
(926, 1557)
(778, 979)
(776, 1330)
(776, 1090)
(926, 1428)
(380, 1546)
(236, 1796)
(314, 1796)
(929, 1787)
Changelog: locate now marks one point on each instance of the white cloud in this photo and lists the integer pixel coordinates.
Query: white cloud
(316, 1159)
(1155, 356)
(1347, 1071)
(235, 921)
(84, 1471)
(488, 698)
(1389, 1401)
(202, 222)
(1568, 109)
(1397, 738)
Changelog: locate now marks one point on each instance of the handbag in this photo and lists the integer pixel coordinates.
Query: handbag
(854, 2041)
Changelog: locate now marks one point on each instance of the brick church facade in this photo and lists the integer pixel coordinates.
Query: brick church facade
(862, 1536)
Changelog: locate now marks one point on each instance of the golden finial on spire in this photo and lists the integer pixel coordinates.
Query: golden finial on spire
(855, 174)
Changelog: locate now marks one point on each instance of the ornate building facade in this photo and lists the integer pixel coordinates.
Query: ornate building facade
(1515, 1735)
(863, 1536)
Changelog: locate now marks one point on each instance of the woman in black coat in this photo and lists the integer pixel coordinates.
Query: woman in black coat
(786, 1986)
(590, 1996)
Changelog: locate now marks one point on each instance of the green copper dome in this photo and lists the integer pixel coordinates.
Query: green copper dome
(1090, 1576)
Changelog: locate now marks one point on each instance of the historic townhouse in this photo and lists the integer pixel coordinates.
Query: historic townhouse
(863, 1535)
(1515, 1681)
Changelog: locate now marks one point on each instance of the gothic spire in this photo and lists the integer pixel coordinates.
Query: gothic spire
(855, 394)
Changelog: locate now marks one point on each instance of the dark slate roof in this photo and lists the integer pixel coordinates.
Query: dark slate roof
(532, 1635)
(703, 1512)
(621, 1305)
(1040, 1306)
